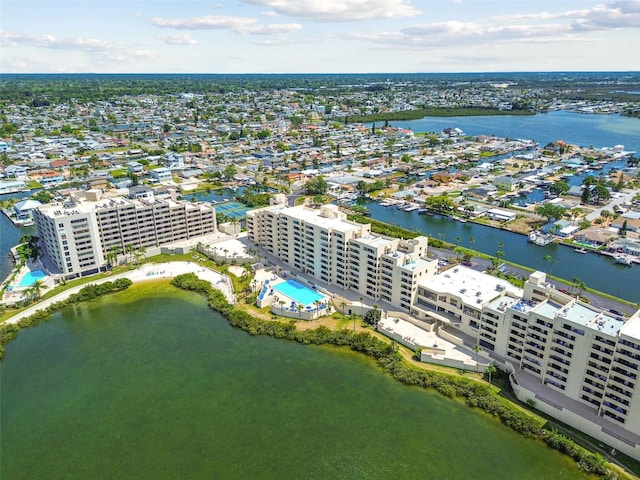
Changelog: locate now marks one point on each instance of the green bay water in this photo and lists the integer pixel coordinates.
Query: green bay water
(149, 383)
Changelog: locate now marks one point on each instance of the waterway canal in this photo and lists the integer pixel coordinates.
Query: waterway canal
(597, 271)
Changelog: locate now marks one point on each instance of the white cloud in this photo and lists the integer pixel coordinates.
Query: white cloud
(178, 39)
(612, 15)
(109, 52)
(339, 10)
(615, 15)
(240, 25)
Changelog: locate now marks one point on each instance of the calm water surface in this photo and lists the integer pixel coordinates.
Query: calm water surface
(574, 128)
(163, 388)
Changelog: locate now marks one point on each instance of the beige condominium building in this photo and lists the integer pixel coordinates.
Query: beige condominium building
(78, 234)
(323, 244)
(578, 363)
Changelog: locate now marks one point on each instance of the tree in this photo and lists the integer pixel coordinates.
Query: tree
(600, 193)
(112, 255)
(42, 196)
(550, 211)
(129, 249)
(315, 186)
(559, 188)
(36, 288)
(585, 198)
(477, 349)
(575, 213)
(140, 252)
(229, 172)
(362, 188)
(623, 229)
(551, 261)
(490, 370)
(440, 203)
(472, 241)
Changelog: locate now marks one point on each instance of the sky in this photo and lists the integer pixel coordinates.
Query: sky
(318, 36)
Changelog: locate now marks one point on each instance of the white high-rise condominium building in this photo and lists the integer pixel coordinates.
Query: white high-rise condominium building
(323, 244)
(79, 234)
(577, 362)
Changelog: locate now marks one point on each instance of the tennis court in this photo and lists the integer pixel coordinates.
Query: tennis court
(232, 209)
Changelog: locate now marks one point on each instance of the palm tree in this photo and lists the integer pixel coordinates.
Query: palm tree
(361, 307)
(574, 284)
(581, 288)
(491, 369)
(458, 240)
(129, 249)
(477, 349)
(552, 261)
(36, 288)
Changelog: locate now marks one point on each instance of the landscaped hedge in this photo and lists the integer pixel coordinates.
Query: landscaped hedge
(9, 330)
(389, 359)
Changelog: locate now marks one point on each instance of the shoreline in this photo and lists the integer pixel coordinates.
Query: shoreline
(144, 272)
(219, 301)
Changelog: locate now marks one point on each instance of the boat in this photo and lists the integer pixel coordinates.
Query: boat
(623, 260)
(424, 211)
(410, 208)
(580, 250)
(540, 239)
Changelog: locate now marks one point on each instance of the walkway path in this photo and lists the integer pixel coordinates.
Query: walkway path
(148, 271)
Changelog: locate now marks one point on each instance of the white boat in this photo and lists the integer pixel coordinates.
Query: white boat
(623, 260)
(541, 239)
(580, 250)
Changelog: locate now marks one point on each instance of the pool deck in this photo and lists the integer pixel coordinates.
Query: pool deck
(15, 293)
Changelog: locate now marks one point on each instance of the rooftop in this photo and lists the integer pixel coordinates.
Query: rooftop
(471, 286)
(593, 319)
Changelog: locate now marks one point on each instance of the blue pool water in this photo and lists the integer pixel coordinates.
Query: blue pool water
(298, 292)
(31, 277)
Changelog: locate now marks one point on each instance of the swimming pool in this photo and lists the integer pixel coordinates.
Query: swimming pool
(31, 277)
(298, 292)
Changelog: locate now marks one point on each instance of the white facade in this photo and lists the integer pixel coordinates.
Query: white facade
(566, 349)
(80, 233)
(567, 352)
(325, 245)
(161, 175)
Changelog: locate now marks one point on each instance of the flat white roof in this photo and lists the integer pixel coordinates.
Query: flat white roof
(632, 328)
(313, 217)
(471, 286)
